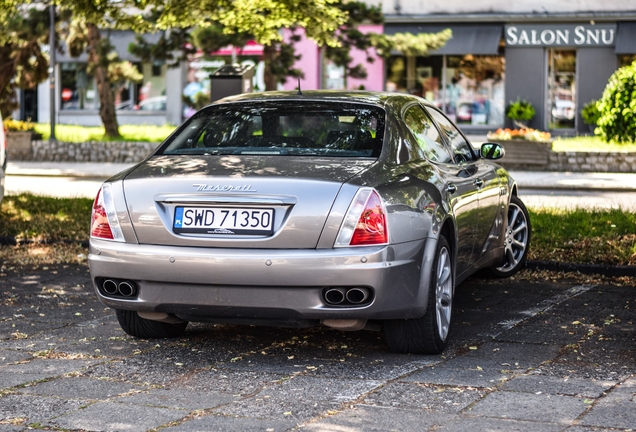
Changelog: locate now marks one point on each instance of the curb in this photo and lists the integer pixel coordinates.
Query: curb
(600, 269)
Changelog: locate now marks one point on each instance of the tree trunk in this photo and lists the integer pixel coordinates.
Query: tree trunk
(106, 99)
(269, 54)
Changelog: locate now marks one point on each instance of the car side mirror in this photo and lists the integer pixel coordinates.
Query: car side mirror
(492, 151)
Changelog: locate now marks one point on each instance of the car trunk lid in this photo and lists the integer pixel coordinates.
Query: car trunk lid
(235, 201)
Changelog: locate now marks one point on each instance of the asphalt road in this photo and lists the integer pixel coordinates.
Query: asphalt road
(72, 187)
(525, 356)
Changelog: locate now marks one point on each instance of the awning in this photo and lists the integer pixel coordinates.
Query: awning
(626, 38)
(467, 39)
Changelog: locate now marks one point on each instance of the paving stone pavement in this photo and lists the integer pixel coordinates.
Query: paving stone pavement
(524, 356)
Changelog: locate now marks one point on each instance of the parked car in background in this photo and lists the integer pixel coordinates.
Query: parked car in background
(151, 104)
(348, 209)
(3, 156)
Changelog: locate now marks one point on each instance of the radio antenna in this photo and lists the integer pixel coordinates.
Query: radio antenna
(299, 92)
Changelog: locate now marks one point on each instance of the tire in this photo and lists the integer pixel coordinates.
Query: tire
(137, 326)
(517, 240)
(428, 334)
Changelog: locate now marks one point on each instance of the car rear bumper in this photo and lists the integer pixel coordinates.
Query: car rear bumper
(204, 284)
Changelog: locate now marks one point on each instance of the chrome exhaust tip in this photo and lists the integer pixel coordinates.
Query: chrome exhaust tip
(110, 287)
(127, 288)
(335, 296)
(357, 295)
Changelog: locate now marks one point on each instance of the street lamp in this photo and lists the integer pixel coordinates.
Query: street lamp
(52, 69)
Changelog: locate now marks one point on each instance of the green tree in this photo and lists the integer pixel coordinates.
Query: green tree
(260, 20)
(23, 64)
(349, 36)
(618, 107)
(88, 28)
(409, 44)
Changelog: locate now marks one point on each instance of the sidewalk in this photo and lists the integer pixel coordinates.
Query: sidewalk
(622, 182)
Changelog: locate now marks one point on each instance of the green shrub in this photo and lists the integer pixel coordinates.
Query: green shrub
(618, 107)
(590, 113)
(520, 110)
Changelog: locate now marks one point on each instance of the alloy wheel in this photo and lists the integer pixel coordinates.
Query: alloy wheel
(443, 293)
(516, 240)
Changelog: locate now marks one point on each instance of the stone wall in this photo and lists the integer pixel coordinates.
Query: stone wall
(130, 152)
(592, 161)
(116, 151)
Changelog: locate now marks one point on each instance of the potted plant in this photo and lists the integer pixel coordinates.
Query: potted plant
(19, 136)
(591, 114)
(520, 112)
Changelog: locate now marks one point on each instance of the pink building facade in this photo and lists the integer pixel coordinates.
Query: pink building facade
(318, 74)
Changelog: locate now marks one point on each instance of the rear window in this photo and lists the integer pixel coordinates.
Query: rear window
(338, 130)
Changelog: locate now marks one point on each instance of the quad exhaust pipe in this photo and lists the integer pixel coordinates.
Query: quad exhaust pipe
(124, 288)
(357, 295)
(354, 296)
(335, 296)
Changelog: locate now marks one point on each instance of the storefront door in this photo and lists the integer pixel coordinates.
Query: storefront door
(561, 98)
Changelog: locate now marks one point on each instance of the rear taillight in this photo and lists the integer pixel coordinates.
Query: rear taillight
(365, 223)
(104, 222)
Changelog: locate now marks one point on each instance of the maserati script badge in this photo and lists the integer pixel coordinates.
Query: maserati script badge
(223, 188)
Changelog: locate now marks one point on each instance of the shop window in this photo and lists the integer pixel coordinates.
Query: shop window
(562, 88)
(78, 91)
(475, 89)
(468, 89)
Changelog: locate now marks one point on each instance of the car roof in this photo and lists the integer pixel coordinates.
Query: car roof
(377, 98)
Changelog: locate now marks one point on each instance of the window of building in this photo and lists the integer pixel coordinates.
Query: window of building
(469, 89)
(125, 93)
(153, 87)
(78, 91)
(334, 76)
(562, 88)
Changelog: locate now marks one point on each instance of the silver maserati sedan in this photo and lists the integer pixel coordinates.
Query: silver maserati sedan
(352, 210)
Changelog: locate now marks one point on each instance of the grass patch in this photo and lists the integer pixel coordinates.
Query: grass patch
(583, 236)
(572, 236)
(75, 133)
(590, 143)
(41, 218)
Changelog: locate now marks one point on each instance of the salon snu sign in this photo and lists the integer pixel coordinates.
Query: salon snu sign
(597, 35)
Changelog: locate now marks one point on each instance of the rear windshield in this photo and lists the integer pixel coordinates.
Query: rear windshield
(309, 129)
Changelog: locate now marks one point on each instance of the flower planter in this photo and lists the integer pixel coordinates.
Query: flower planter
(523, 154)
(19, 144)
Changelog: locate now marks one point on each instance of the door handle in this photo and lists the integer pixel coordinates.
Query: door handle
(478, 182)
(451, 188)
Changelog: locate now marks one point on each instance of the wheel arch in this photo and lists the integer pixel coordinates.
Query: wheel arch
(448, 231)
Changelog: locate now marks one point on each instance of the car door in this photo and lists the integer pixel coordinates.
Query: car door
(484, 177)
(457, 183)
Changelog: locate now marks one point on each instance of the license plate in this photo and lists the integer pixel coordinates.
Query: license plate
(219, 220)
